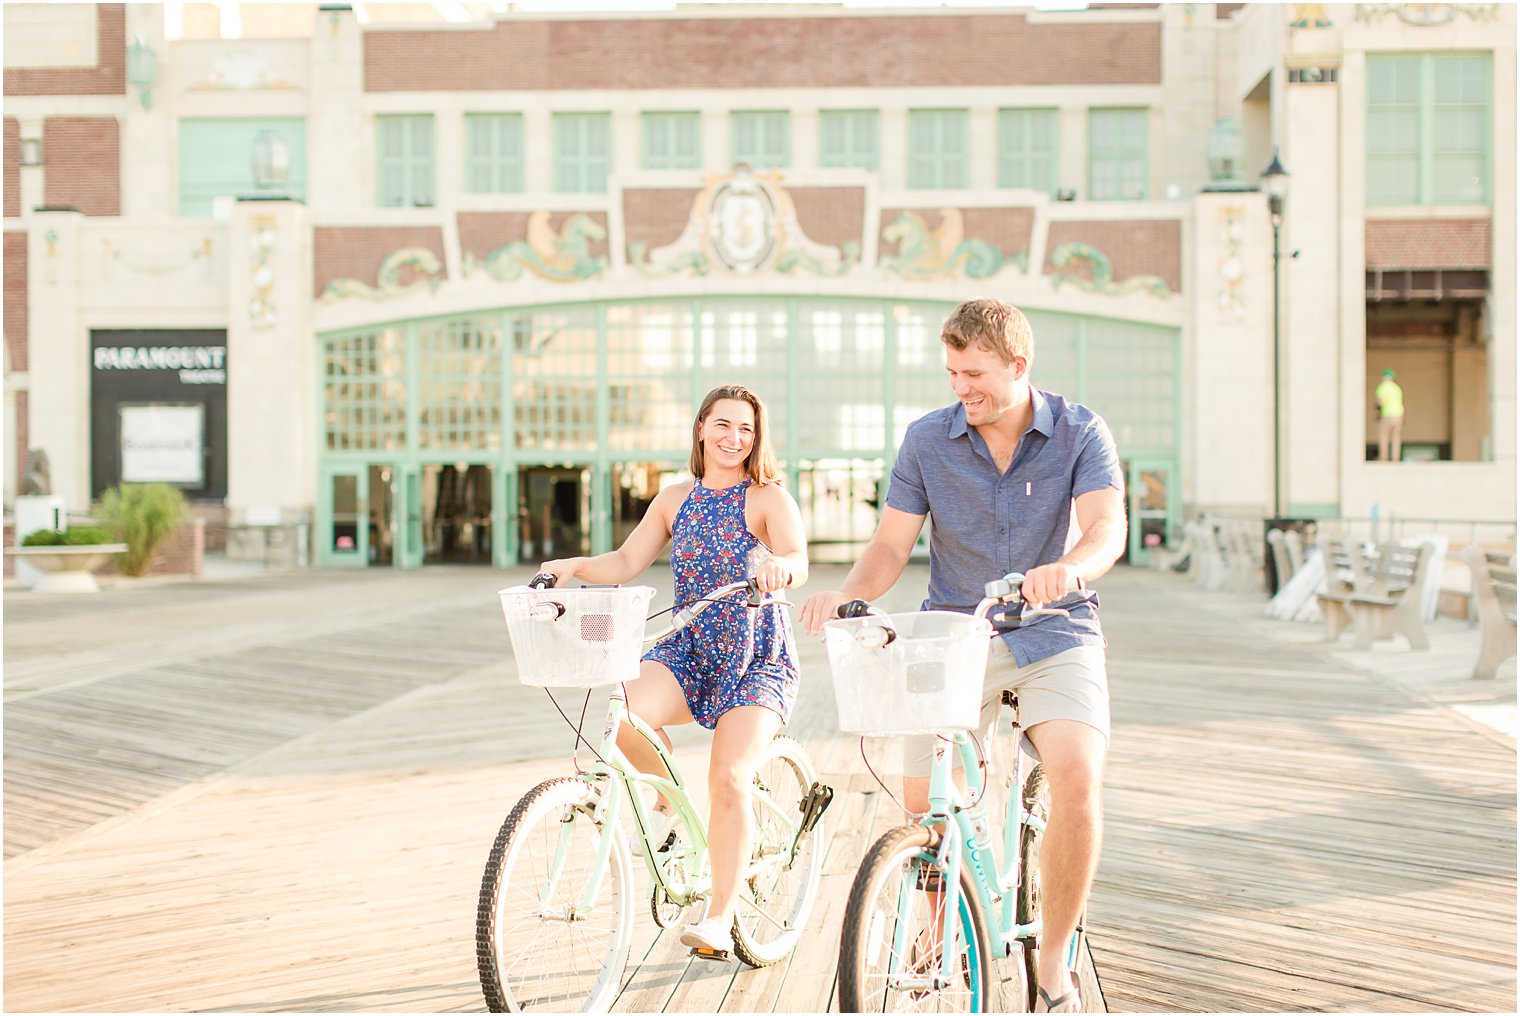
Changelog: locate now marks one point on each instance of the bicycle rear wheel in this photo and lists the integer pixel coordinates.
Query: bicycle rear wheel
(782, 893)
(537, 945)
(894, 920)
(1089, 988)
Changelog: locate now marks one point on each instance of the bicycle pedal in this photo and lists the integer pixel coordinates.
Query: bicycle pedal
(721, 955)
(814, 804)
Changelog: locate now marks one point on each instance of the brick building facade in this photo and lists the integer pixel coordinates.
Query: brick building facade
(451, 292)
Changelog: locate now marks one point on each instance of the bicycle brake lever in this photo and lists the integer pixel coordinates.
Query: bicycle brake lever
(543, 580)
(756, 597)
(1046, 612)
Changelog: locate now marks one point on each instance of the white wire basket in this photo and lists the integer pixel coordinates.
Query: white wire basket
(928, 679)
(576, 638)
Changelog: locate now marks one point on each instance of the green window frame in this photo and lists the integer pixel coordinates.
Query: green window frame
(1118, 154)
(938, 144)
(761, 139)
(1429, 128)
(215, 159)
(493, 153)
(405, 149)
(1029, 148)
(672, 140)
(582, 152)
(847, 139)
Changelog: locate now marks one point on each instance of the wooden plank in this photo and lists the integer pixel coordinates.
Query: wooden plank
(297, 821)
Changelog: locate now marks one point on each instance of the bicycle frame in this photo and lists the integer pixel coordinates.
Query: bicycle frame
(617, 766)
(997, 885)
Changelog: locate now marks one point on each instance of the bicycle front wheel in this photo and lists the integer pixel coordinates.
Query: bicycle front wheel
(779, 895)
(554, 922)
(894, 924)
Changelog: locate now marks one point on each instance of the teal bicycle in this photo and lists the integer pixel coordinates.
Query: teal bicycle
(555, 918)
(933, 911)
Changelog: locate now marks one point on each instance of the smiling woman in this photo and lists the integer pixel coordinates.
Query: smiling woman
(734, 671)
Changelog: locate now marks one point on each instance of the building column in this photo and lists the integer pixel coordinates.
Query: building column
(340, 164)
(58, 367)
(148, 149)
(1227, 356)
(1312, 286)
(271, 359)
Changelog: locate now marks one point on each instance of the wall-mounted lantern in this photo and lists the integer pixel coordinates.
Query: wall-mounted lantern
(271, 160)
(31, 151)
(142, 70)
(1224, 148)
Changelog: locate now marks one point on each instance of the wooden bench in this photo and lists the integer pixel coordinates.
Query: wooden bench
(1379, 595)
(1494, 600)
(1287, 553)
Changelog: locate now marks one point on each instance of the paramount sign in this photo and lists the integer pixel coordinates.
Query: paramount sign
(197, 365)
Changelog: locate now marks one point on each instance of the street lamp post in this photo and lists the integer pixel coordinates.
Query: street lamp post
(1274, 182)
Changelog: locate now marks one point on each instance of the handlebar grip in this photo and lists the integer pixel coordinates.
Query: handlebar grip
(852, 608)
(543, 580)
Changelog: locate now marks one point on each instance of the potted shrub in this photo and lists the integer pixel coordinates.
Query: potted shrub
(67, 558)
(141, 514)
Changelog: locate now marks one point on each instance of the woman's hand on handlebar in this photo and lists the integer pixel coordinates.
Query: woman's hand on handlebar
(563, 569)
(1049, 583)
(772, 574)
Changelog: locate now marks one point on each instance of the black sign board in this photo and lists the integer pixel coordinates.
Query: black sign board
(158, 410)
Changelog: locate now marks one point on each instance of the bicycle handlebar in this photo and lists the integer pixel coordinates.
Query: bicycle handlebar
(1006, 592)
(681, 618)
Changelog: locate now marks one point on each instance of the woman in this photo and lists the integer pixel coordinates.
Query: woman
(734, 670)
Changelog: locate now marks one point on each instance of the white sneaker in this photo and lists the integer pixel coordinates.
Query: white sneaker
(711, 934)
(662, 824)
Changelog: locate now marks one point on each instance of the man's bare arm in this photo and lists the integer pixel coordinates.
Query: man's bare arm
(884, 559)
(1100, 516)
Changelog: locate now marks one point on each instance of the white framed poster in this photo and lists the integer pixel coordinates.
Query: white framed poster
(163, 444)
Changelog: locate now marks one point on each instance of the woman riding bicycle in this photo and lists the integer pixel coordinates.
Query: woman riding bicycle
(733, 670)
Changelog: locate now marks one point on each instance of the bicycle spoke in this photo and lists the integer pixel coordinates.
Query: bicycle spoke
(544, 949)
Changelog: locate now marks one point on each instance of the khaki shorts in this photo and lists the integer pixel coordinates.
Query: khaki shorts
(1071, 685)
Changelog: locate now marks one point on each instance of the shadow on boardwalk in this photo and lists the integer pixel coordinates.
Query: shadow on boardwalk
(277, 794)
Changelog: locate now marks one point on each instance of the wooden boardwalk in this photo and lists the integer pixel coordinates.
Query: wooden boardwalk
(277, 795)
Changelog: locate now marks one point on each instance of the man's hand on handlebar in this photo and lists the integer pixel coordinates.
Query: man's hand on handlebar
(1049, 583)
(819, 609)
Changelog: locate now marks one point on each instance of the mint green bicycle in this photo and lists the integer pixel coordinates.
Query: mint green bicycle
(555, 918)
(933, 912)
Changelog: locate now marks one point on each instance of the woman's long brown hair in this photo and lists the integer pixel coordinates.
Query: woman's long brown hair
(760, 465)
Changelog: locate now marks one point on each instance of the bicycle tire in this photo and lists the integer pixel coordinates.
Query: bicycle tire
(888, 868)
(785, 774)
(1036, 794)
(569, 963)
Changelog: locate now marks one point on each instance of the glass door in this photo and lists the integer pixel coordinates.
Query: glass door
(343, 517)
(839, 499)
(634, 486)
(1152, 507)
(554, 512)
(409, 545)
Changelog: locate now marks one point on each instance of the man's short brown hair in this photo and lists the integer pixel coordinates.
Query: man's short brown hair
(991, 324)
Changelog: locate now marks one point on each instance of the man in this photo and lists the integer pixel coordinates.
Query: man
(1390, 400)
(1010, 476)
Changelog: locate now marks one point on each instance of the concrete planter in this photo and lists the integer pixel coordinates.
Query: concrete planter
(67, 569)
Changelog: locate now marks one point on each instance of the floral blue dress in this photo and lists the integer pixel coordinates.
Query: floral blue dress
(730, 655)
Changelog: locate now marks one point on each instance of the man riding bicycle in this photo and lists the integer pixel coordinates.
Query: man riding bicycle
(1016, 479)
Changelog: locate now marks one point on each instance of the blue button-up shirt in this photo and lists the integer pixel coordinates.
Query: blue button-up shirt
(985, 523)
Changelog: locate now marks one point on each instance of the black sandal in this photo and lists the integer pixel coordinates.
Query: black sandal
(1051, 1004)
